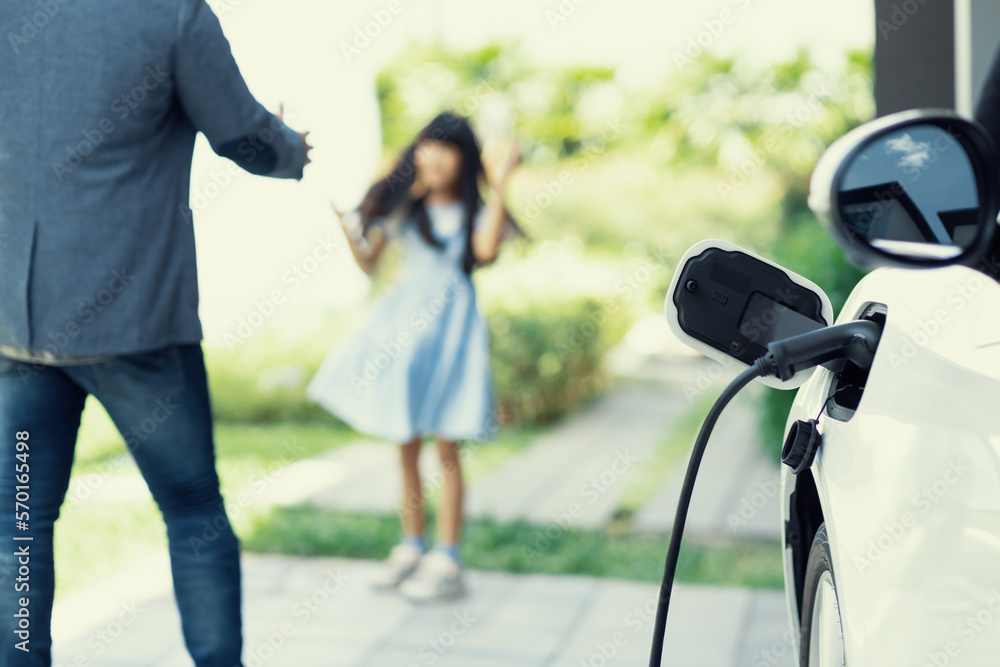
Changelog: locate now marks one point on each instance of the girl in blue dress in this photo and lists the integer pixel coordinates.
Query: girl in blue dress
(419, 364)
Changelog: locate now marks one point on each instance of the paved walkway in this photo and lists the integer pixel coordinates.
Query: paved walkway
(321, 612)
(582, 466)
(737, 491)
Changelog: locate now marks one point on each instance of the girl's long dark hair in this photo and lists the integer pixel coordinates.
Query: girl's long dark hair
(393, 194)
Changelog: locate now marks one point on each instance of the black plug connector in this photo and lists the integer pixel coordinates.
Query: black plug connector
(854, 341)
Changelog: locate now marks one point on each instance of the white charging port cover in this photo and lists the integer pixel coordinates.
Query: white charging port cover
(729, 303)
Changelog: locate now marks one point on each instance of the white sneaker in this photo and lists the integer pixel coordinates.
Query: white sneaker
(438, 577)
(401, 563)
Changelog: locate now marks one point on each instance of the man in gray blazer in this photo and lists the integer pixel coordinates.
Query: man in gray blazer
(100, 103)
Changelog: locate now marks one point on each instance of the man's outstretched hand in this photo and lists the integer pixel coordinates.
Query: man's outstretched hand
(304, 135)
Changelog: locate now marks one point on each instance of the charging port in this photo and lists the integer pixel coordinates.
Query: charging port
(849, 383)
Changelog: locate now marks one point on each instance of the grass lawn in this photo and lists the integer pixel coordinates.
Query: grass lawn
(521, 547)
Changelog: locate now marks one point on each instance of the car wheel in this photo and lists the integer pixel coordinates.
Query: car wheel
(822, 636)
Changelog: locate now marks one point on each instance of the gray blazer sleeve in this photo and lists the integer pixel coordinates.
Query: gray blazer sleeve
(218, 103)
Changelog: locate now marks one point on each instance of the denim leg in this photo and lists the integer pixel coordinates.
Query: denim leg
(46, 404)
(159, 402)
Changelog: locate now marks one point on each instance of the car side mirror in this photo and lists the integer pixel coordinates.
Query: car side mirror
(729, 304)
(915, 189)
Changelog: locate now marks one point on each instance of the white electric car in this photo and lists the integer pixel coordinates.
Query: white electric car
(891, 492)
(892, 536)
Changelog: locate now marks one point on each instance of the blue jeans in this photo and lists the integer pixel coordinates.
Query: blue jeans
(159, 402)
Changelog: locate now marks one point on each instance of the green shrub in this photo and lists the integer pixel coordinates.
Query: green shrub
(553, 311)
(546, 358)
(263, 379)
(546, 353)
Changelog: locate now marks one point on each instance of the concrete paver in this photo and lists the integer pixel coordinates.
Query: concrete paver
(582, 466)
(737, 491)
(322, 612)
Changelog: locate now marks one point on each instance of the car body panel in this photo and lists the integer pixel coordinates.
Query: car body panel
(910, 486)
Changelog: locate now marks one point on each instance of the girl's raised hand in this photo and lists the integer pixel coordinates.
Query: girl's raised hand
(499, 160)
(514, 156)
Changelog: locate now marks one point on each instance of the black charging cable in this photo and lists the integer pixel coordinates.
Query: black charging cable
(855, 341)
(674, 548)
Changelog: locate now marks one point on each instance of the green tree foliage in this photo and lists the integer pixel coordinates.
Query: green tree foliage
(715, 148)
(553, 110)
